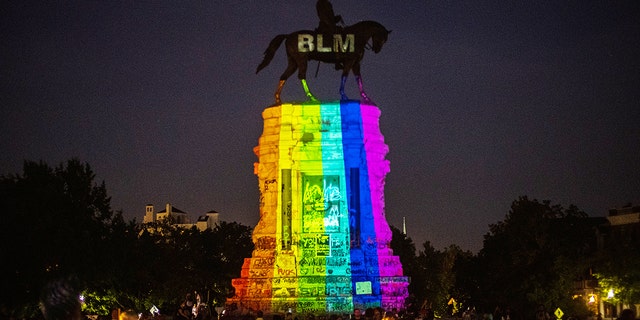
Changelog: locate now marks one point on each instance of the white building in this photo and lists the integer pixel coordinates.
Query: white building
(206, 221)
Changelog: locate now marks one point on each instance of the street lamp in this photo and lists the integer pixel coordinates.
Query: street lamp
(610, 296)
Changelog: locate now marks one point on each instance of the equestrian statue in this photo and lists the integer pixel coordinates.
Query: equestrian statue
(343, 47)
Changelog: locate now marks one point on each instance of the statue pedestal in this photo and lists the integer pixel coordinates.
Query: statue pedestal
(322, 242)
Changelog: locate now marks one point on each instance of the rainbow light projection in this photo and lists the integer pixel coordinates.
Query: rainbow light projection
(322, 242)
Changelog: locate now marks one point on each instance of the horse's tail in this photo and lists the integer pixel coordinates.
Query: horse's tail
(271, 51)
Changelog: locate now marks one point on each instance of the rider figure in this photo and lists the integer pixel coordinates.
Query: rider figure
(328, 19)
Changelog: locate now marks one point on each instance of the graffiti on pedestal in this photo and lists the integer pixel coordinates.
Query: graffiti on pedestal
(322, 246)
(339, 245)
(322, 242)
(321, 209)
(265, 243)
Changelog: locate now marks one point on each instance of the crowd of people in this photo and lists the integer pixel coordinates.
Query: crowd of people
(60, 300)
(193, 308)
(358, 314)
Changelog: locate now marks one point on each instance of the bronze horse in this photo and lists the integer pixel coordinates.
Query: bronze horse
(346, 60)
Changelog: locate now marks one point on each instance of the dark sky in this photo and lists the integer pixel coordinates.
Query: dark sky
(482, 102)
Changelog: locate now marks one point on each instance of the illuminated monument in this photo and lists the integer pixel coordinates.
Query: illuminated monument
(322, 242)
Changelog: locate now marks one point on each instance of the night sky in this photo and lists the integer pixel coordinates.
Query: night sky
(482, 102)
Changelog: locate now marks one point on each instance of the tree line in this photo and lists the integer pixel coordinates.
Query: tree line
(58, 222)
(538, 256)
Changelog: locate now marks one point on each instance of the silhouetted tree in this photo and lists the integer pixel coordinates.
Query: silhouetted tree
(429, 289)
(405, 249)
(533, 257)
(176, 260)
(616, 267)
(56, 222)
(233, 243)
(464, 286)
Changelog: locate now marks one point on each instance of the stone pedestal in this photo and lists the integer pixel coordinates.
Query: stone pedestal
(322, 242)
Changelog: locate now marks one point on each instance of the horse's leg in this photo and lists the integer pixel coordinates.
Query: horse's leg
(307, 91)
(343, 96)
(291, 68)
(356, 72)
(363, 94)
(280, 85)
(348, 65)
(302, 74)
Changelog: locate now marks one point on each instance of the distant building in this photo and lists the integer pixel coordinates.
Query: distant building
(622, 224)
(624, 227)
(625, 221)
(206, 221)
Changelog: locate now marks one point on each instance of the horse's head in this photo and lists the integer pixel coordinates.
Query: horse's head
(378, 39)
(370, 30)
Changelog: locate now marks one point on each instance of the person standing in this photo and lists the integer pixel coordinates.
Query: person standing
(627, 314)
(185, 311)
(357, 314)
(542, 314)
(60, 300)
(128, 315)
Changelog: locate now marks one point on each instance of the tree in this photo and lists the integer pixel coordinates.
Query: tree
(616, 267)
(533, 256)
(232, 244)
(465, 276)
(58, 222)
(433, 292)
(178, 260)
(405, 249)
